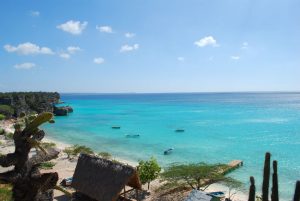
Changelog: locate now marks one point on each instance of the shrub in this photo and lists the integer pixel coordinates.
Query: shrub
(148, 170)
(105, 155)
(76, 149)
(47, 145)
(2, 117)
(9, 136)
(47, 165)
(2, 131)
(5, 192)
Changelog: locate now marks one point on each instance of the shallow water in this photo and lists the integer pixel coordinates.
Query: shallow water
(219, 127)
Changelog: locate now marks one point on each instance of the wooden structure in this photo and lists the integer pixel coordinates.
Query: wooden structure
(104, 180)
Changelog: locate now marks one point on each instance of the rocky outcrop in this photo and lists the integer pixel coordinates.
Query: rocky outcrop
(62, 111)
(29, 101)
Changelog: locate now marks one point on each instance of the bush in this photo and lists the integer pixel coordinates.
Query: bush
(105, 155)
(148, 170)
(76, 149)
(2, 117)
(5, 192)
(47, 145)
(2, 131)
(47, 165)
(9, 136)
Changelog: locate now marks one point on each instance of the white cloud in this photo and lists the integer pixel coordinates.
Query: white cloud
(105, 29)
(128, 48)
(28, 48)
(129, 35)
(206, 41)
(73, 49)
(98, 60)
(25, 66)
(35, 13)
(64, 55)
(235, 57)
(181, 59)
(73, 27)
(245, 45)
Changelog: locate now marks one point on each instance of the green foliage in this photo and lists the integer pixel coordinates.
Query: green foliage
(9, 136)
(2, 117)
(47, 165)
(77, 149)
(105, 155)
(195, 175)
(6, 110)
(47, 145)
(5, 193)
(2, 131)
(148, 170)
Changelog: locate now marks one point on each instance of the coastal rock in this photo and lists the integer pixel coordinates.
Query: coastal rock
(60, 111)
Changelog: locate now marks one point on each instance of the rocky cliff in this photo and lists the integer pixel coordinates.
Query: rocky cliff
(12, 104)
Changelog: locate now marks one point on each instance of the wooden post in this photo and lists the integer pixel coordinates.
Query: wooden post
(124, 193)
(137, 194)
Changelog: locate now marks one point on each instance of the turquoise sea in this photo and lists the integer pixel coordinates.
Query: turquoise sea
(219, 127)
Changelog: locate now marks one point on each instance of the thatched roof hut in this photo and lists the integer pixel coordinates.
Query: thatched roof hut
(102, 179)
(197, 195)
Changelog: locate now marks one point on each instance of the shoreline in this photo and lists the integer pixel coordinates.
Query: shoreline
(66, 167)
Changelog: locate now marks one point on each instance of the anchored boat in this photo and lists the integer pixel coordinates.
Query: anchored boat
(132, 135)
(168, 151)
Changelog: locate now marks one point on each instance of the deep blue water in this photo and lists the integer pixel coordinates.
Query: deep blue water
(219, 127)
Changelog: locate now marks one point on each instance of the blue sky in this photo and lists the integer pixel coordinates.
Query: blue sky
(150, 45)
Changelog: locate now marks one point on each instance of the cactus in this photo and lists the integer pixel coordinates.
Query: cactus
(297, 192)
(27, 181)
(266, 179)
(252, 190)
(275, 196)
(265, 188)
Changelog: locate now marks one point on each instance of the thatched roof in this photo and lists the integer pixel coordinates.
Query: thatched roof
(197, 195)
(102, 179)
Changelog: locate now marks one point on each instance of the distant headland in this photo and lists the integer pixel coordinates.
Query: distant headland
(14, 103)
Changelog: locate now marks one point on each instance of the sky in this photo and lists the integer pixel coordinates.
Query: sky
(134, 46)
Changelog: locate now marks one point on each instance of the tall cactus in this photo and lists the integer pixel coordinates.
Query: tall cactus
(252, 190)
(297, 192)
(275, 196)
(27, 181)
(266, 179)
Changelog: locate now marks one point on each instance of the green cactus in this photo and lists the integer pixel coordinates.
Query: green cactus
(297, 192)
(252, 190)
(275, 196)
(266, 179)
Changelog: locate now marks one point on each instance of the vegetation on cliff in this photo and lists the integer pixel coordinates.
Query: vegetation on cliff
(14, 103)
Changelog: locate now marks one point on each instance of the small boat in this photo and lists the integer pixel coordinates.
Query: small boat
(179, 130)
(132, 135)
(116, 127)
(217, 194)
(168, 151)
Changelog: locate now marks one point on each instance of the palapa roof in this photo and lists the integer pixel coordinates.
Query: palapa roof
(197, 195)
(103, 179)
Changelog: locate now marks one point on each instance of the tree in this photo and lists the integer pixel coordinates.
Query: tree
(196, 175)
(233, 186)
(28, 184)
(148, 170)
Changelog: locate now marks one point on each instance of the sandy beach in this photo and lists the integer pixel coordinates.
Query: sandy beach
(66, 168)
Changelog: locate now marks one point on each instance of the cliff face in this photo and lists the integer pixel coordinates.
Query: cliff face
(29, 101)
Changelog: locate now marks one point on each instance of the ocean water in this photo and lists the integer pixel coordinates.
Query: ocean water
(219, 127)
